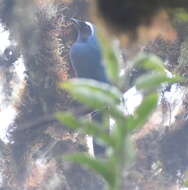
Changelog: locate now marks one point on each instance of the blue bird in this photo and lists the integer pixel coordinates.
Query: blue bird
(85, 53)
(86, 58)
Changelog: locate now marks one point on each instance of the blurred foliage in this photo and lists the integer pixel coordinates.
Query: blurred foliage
(181, 15)
(107, 98)
(110, 53)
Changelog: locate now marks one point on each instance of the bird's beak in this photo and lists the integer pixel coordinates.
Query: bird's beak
(76, 22)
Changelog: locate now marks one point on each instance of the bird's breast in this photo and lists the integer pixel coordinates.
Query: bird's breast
(84, 52)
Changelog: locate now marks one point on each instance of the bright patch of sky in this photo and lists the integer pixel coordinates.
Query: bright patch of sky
(8, 111)
(7, 117)
(4, 38)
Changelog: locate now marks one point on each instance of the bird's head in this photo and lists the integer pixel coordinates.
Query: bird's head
(84, 29)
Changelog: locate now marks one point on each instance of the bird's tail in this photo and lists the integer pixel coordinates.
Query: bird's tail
(99, 148)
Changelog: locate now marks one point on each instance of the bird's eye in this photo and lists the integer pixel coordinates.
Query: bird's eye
(10, 55)
(86, 29)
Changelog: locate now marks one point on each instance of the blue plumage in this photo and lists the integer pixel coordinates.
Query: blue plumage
(86, 58)
(85, 53)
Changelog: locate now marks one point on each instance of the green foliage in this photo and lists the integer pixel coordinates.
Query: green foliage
(107, 98)
(90, 128)
(112, 58)
(185, 179)
(181, 14)
(143, 112)
(150, 62)
(153, 80)
(104, 168)
(157, 75)
(85, 90)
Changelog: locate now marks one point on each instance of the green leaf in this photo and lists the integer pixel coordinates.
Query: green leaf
(181, 14)
(143, 112)
(111, 56)
(101, 167)
(92, 129)
(129, 150)
(150, 62)
(185, 180)
(154, 80)
(116, 113)
(88, 127)
(68, 119)
(186, 183)
(93, 93)
(146, 108)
